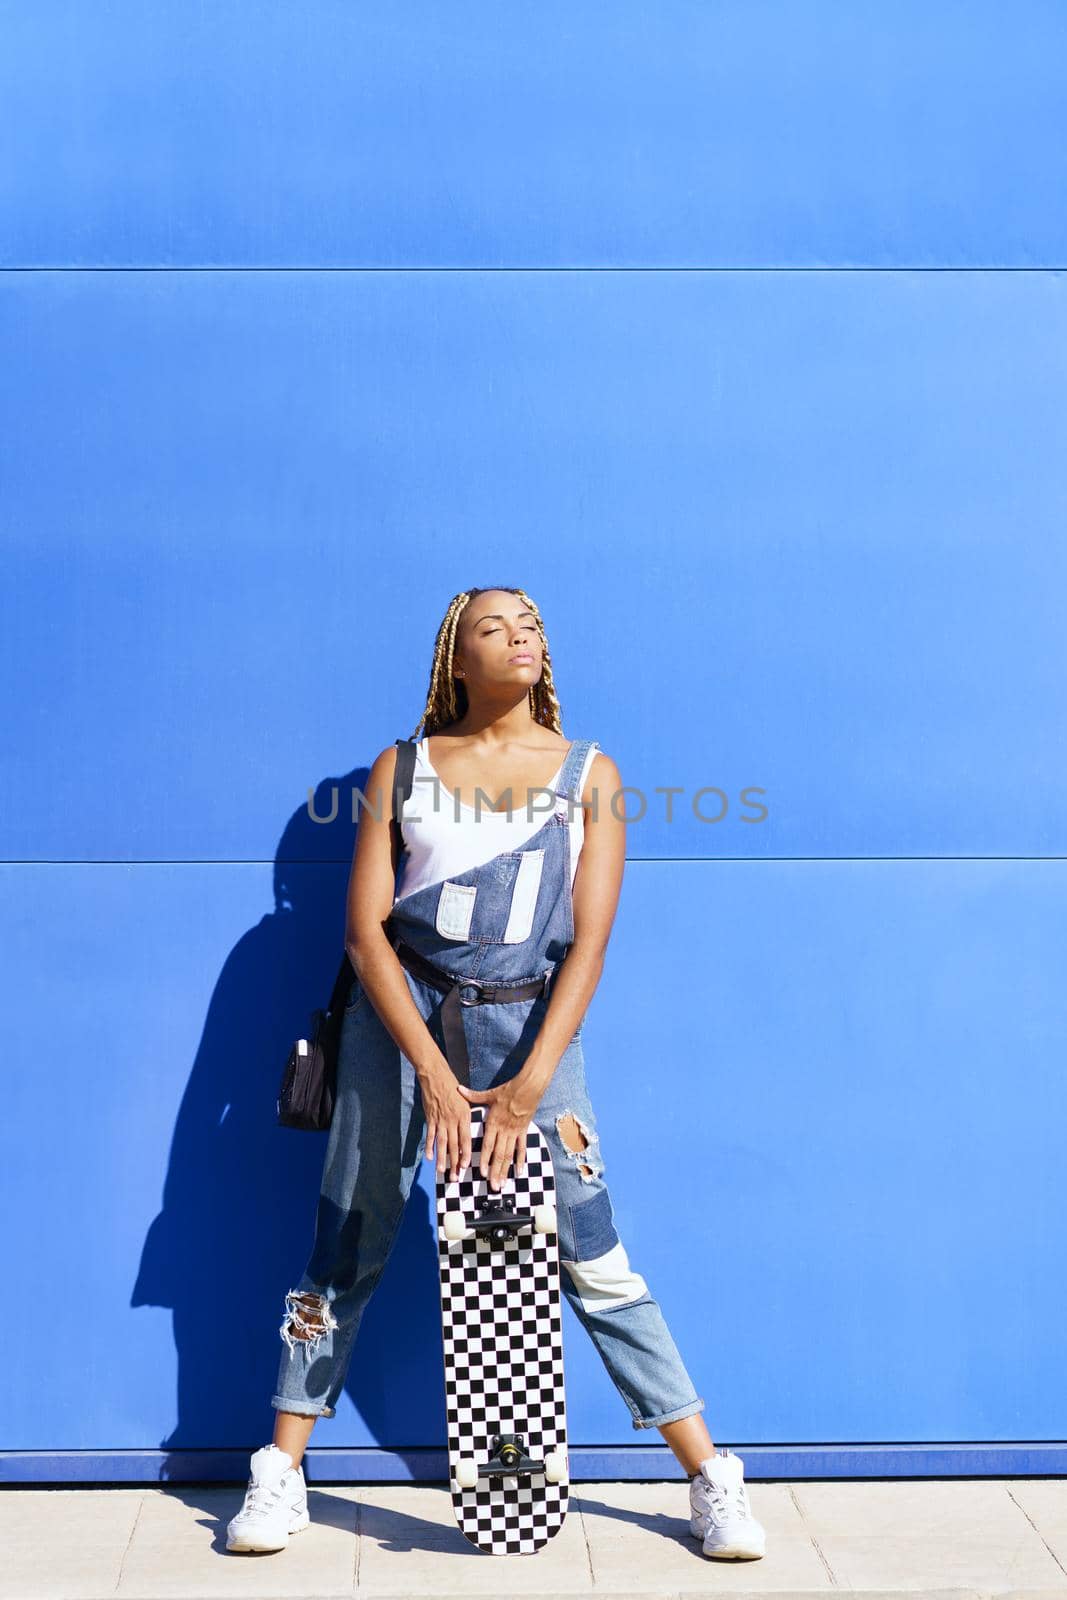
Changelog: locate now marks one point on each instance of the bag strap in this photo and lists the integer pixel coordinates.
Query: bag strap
(341, 985)
(403, 780)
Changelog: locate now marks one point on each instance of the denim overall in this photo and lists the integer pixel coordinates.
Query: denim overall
(507, 922)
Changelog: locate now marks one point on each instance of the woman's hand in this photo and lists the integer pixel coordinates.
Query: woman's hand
(448, 1121)
(510, 1106)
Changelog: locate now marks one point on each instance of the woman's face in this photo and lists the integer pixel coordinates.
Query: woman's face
(498, 642)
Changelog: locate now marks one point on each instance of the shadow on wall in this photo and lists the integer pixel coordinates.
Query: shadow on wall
(240, 1195)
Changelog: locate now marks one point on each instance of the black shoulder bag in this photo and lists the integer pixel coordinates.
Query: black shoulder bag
(309, 1082)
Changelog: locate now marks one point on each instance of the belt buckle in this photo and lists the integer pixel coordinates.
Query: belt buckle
(469, 983)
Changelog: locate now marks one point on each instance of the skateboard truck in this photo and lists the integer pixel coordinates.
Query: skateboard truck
(509, 1460)
(499, 1219)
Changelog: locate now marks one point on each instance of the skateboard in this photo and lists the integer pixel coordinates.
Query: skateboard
(503, 1346)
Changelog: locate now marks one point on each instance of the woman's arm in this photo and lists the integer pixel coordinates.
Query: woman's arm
(371, 887)
(597, 884)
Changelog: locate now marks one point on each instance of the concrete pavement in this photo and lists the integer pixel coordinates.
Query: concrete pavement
(954, 1540)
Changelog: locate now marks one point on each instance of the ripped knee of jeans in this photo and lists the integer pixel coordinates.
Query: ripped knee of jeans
(580, 1143)
(308, 1318)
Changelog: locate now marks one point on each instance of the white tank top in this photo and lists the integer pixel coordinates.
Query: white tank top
(442, 839)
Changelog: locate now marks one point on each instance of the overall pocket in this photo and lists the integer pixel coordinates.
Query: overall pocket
(455, 910)
(499, 906)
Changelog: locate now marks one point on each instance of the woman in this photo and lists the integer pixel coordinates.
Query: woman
(493, 890)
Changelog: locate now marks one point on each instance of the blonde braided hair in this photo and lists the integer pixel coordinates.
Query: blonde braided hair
(446, 699)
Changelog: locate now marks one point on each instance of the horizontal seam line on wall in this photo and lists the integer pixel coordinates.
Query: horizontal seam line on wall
(1051, 266)
(329, 861)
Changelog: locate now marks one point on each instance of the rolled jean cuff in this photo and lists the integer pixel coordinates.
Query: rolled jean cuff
(301, 1408)
(689, 1410)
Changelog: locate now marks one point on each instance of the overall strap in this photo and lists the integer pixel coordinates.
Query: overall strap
(571, 775)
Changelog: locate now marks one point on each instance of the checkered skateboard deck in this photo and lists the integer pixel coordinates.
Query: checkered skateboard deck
(503, 1348)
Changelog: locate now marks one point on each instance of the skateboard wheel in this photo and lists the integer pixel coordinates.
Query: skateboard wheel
(466, 1472)
(545, 1219)
(455, 1227)
(556, 1467)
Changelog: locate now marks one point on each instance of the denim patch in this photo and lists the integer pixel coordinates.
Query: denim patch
(524, 897)
(593, 1226)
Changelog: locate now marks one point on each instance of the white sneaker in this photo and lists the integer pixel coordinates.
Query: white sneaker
(719, 1510)
(276, 1503)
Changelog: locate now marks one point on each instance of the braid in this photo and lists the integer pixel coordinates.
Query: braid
(440, 707)
(446, 700)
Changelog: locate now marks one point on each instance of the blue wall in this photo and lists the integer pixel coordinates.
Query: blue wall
(736, 333)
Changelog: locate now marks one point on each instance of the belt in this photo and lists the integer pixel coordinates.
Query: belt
(464, 992)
